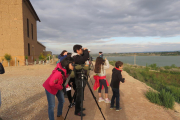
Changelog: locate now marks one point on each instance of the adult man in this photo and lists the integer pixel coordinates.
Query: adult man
(80, 57)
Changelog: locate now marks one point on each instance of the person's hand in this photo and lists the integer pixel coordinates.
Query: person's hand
(105, 59)
(68, 86)
(84, 48)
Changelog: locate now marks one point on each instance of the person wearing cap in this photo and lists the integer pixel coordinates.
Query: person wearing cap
(100, 54)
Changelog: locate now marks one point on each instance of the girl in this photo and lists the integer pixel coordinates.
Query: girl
(100, 78)
(54, 85)
(62, 55)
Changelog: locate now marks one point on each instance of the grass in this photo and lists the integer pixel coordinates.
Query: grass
(165, 81)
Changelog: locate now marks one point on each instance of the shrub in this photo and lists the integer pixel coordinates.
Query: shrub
(153, 66)
(26, 57)
(153, 97)
(7, 57)
(167, 99)
(163, 98)
(42, 57)
(175, 91)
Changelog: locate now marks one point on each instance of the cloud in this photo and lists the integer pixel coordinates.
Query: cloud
(80, 21)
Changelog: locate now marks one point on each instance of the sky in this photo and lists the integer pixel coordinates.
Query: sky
(109, 25)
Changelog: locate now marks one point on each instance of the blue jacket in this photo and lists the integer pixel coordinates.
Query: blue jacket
(61, 57)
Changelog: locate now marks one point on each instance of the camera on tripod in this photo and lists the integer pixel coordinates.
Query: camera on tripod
(80, 71)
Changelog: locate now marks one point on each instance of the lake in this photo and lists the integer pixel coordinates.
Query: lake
(143, 60)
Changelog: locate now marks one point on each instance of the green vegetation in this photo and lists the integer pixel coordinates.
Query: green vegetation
(7, 57)
(162, 98)
(166, 81)
(26, 57)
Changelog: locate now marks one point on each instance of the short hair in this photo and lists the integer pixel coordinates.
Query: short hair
(118, 63)
(62, 53)
(100, 52)
(76, 47)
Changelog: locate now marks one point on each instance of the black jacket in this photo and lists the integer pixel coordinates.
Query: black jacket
(116, 78)
(81, 59)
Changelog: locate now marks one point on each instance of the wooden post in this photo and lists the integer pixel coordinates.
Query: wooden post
(15, 61)
(134, 58)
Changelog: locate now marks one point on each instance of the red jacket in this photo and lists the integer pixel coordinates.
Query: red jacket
(55, 80)
(96, 84)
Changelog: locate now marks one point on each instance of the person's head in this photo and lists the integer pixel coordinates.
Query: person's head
(89, 50)
(69, 54)
(78, 49)
(119, 65)
(67, 63)
(100, 53)
(64, 52)
(99, 62)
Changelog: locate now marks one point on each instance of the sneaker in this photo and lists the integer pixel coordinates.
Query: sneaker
(73, 103)
(107, 100)
(111, 108)
(60, 117)
(100, 99)
(118, 109)
(79, 114)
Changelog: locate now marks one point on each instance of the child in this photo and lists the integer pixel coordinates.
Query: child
(100, 78)
(115, 82)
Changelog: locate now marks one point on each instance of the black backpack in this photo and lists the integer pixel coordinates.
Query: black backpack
(2, 71)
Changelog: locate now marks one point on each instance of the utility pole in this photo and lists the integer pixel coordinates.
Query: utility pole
(134, 58)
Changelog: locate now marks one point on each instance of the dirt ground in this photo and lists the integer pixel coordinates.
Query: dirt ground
(24, 98)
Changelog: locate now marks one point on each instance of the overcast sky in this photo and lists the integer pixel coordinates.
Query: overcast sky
(109, 25)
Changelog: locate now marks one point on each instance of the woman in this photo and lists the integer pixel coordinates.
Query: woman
(62, 55)
(54, 85)
(100, 78)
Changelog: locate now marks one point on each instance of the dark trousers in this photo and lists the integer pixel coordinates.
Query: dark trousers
(102, 82)
(79, 95)
(116, 96)
(69, 96)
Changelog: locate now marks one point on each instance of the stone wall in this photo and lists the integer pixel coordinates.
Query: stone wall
(11, 30)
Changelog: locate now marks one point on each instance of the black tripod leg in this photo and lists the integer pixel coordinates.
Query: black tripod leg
(82, 97)
(95, 99)
(70, 105)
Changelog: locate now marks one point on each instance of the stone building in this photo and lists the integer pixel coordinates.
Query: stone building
(18, 31)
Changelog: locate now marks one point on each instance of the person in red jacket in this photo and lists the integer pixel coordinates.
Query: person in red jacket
(54, 85)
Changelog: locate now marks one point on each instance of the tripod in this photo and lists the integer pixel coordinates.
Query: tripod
(83, 78)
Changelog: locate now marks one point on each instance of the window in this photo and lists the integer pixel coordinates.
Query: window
(27, 27)
(32, 30)
(28, 49)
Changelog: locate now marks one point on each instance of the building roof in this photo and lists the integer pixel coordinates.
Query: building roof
(32, 8)
(41, 44)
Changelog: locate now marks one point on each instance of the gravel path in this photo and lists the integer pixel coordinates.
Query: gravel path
(23, 98)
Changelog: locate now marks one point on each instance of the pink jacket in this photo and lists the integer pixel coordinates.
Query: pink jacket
(55, 80)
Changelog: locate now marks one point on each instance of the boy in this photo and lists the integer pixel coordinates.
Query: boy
(115, 82)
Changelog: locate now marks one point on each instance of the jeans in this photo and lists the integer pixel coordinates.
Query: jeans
(51, 103)
(117, 96)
